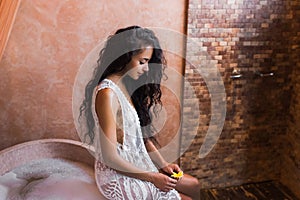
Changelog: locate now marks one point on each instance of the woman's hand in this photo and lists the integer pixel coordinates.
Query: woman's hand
(169, 168)
(163, 182)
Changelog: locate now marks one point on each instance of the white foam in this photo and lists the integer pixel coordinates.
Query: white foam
(49, 179)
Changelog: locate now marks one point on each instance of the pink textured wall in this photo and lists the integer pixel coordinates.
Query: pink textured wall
(47, 45)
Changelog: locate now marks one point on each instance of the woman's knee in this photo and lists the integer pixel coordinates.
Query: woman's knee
(195, 183)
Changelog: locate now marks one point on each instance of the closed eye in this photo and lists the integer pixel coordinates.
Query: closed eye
(145, 60)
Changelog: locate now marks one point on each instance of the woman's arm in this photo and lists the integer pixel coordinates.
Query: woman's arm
(106, 109)
(155, 156)
(160, 162)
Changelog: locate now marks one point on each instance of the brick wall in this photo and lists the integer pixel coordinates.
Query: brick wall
(290, 167)
(247, 37)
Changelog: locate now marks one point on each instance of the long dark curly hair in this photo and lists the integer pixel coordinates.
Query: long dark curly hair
(145, 92)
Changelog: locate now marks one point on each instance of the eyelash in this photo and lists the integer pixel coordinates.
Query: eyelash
(141, 62)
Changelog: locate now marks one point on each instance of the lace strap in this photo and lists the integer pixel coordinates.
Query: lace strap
(104, 84)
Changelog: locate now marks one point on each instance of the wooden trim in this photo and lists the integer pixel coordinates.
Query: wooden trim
(8, 11)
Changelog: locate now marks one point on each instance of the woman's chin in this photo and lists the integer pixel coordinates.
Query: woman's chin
(136, 77)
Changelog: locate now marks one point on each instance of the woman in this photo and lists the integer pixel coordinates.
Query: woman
(127, 81)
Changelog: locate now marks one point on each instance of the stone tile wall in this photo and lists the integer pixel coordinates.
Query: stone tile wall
(290, 166)
(255, 39)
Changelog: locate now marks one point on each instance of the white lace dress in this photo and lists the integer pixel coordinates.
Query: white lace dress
(114, 185)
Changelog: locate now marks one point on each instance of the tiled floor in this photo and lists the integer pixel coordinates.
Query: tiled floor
(257, 191)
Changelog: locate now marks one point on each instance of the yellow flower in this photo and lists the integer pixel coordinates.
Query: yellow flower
(177, 175)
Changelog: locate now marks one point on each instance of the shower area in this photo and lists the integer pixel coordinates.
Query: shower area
(255, 45)
(251, 109)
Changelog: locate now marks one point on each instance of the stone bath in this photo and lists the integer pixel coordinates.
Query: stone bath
(59, 169)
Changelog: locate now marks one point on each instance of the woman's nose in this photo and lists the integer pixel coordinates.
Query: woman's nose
(146, 67)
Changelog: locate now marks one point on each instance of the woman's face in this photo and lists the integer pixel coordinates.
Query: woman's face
(139, 63)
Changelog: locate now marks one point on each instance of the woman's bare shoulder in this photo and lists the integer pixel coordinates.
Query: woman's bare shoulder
(106, 98)
(105, 93)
